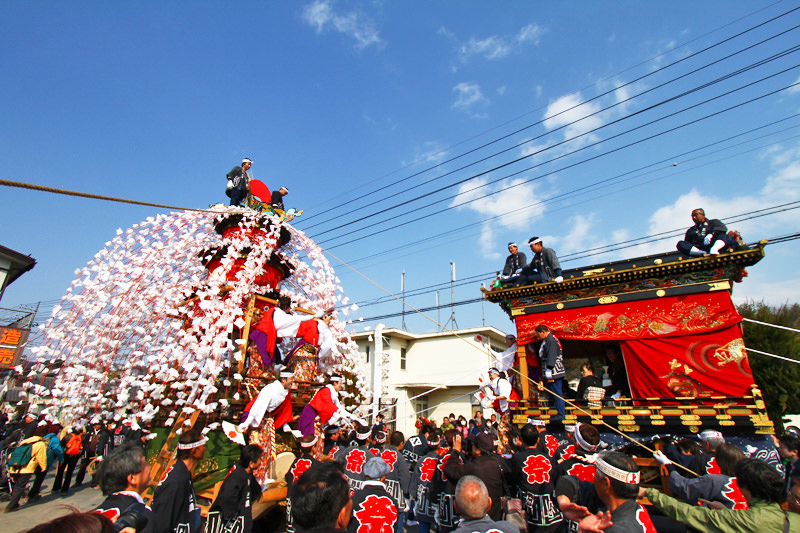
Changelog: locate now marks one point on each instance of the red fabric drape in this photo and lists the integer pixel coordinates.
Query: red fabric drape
(709, 364)
(653, 318)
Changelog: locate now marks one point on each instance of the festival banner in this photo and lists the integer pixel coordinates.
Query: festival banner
(670, 316)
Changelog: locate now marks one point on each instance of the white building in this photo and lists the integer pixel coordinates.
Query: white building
(412, 366)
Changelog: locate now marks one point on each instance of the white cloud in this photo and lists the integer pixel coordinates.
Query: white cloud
(320, 14)
(500, 46)
(501, 90)
(512, 201)
(574, 117)
(468, 97)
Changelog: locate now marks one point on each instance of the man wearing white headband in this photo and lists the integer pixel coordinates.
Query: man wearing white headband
(274, 399)
(543, 267)
(535, 480)
(616, 484)
(325, 405)
(578, 459)
(238, 182)
(310, 446)
(500, 390)
(515, 262)
(239, 491)
(174, 501)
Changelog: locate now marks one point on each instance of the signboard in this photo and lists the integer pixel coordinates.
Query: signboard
(12, 341)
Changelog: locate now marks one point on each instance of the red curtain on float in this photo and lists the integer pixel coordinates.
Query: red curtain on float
(675, 346)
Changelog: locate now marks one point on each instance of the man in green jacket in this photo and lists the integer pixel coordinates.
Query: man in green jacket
(761, 485)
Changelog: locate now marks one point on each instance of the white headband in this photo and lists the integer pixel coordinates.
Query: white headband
(192, 445)
(570, 428)
(536, 422)
(287, 374)
(535, 241)
(335, 378)
(309, 444)
(581, 442)
(363, 436)
(380, 439)
(710, 434)
(624, 476)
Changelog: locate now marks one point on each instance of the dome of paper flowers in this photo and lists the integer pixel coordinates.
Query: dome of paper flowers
(148, 327)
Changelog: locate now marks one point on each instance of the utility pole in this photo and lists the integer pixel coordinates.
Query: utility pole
(403, 299)
(452, 296)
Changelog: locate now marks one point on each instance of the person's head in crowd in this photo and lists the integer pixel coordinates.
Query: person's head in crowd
(510, 340)
(513, 248)
(337, 382)
(433, 441)
(379, 418)
(125, 469)
(251, 457)
(587, 437)
(535, 244)
(445, 420)
(728, 456)
(287, 379)
(793, 498)
(483, 444)
(710, 440)
(529, 435)
(587, 369)
(310, 444)
(542, 331)
(472, 498)
(333, 432)
(397, 439)
(449, 435)
(789, 447)
(362, 434)
(493, 419)
(426, 429)
(515, 438)
(688, 447)
(378, 437)
(462, 419)
(321, 498)
(192, 445)
(40, 431)
(472, 423)
(616, 478)
(76, 522)
(375, 468)
(759, 481)
(478, 416)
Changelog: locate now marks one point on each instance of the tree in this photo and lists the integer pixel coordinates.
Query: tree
(778, 380)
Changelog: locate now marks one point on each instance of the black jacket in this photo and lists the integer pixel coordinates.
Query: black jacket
(493, 470)
(236, 497)
(514, 262)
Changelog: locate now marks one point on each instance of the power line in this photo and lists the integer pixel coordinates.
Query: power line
(653, 72)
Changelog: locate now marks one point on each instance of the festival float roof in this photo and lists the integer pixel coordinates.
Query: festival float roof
(676, 326)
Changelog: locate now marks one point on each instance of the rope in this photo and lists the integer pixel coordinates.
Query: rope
(21, 185)
(773, 355)
(772, 325)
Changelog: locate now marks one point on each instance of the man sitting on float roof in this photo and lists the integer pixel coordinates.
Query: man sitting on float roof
(543, 267)
(707, 236)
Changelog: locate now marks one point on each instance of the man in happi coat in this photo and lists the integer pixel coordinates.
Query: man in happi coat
(421, 484)
(174, 502)
(534, 478)
(325, 405)
(353, 458)
(374, 508)
(310, 445)
(275, 400)
(233, 508)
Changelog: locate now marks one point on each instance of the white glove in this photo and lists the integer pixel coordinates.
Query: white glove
(517, 272)
(99, 458)
(616, 395)
(707, 239)
(559, 279)
(548, 374)
(659, 456)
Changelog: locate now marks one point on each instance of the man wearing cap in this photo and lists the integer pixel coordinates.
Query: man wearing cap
(534, 475)
(374, 507)
(325, 405)
(473, 503)
(616, 487)
(174, 502)
(274, 399)
(239, 491)
(543, 267)
(493, 470)
(310, 445)
(239, 182)
(551, 363)
(515, 262)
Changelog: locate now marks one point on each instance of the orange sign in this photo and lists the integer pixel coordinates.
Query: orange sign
(12, 341)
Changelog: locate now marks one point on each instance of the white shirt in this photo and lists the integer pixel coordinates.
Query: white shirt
(501, 387)
(505, 360)
(267, 401)
(286, 325)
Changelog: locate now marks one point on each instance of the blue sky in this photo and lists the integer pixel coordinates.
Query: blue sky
(156, 101)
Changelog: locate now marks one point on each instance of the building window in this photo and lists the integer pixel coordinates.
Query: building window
(367, 353)
(421, 407)
(402, 358)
